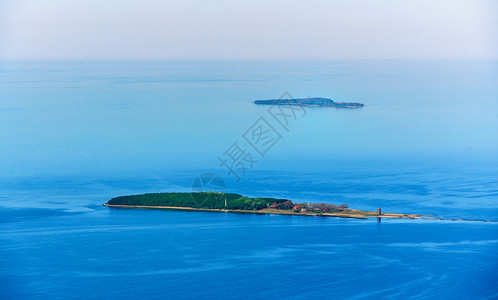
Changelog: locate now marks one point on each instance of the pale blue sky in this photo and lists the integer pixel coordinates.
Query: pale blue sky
(255, 29)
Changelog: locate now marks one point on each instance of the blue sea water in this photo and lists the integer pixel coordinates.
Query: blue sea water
(75, 134)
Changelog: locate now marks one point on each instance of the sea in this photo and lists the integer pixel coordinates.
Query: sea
(75, 134)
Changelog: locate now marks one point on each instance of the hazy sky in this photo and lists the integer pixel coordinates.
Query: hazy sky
(255, 29)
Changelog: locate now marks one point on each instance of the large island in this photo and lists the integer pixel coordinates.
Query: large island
(229, 202)
(317, 102)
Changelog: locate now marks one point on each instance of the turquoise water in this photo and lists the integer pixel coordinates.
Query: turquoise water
(76, 134)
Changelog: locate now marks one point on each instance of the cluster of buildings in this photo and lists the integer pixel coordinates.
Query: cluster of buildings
(312, 207)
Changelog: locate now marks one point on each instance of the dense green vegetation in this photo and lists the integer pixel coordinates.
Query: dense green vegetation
(213, 200)
(202, 200)
(317, 101)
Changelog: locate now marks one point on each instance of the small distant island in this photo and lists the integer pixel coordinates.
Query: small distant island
(317, 102)
(235, 203)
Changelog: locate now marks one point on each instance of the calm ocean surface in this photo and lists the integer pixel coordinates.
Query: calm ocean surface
(75, 134)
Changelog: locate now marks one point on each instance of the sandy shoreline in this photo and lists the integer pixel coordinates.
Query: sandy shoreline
(354, 214)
